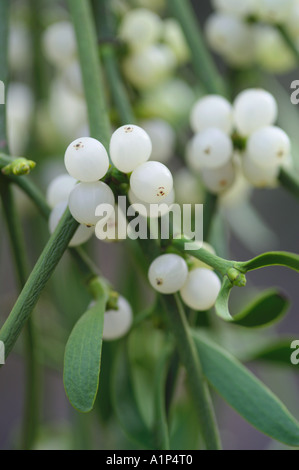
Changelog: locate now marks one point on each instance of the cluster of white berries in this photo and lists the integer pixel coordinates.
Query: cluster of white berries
(156, 49)
(87, 163)
(242, 43)
(218, 125)
(199, 288)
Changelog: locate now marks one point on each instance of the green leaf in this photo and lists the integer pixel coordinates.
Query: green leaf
(277, 353)
(125, 405)
(161, 431)
(82, 359)
(267, 308)
(246, 394)
(275, 258)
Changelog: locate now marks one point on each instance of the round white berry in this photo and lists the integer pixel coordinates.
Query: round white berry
(140, 27)
(274, 11)
(163, 139)
(201, 289)
(115, 228)
(60, 189)
(260, 176)
(253, 109)
(272, 51)
(130, 146)
(175, 39)
(269, 146)
(151, 182)
(117, 323)
(232, 38)
(236, 7)
(188, 189)
(59, 43)
(86, 160)
(212, 111)
(149, 67)
(211, 148)
(219, 179)
(82, 234)
(168, 273)
(147, 209)
(86, 197)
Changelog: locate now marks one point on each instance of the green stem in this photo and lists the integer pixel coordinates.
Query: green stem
(106, 31)
(221, 265)
(210, 208)
(91, 70)
(37, 280)
(197, 382)
(202, 61)
(289, 182)
(288, 40)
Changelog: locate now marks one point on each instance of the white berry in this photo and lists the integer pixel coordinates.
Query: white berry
(168, 273)
(211, 148)
(274, 11)
(149, 67)
(201, 289)
(239, 8)
(260, 176)
(86, 197)
(59, 43)
(83, 233)
(86, 160)
(269, 146)
(140, 28)
(163, 139)
(232, 38)
(117, 323)
(212, 111)
(220, 179)
(151, 182)
(130, 146)
(147, 210)
(175, 39)
(60, 189)
(253, 109)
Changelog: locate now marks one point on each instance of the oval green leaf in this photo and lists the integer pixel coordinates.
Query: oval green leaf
(246, 394)
(82, 358)
(275, 258)
(267, 308)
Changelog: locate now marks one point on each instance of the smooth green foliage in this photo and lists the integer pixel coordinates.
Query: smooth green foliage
(267, 308)
(279, 353)
(246, 394)
(82, 359)
(274, 258)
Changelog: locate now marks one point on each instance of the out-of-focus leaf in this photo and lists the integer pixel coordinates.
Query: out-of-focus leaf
(267, 308)
(125, 405)
(246, 394)
(161, 431)
(82, 359)
(274, 258)
(277, 353)
(185, 430)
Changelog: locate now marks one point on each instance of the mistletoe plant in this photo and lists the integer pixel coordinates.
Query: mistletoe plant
(186, 278)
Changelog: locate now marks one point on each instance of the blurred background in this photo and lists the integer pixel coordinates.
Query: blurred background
(46, 111)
